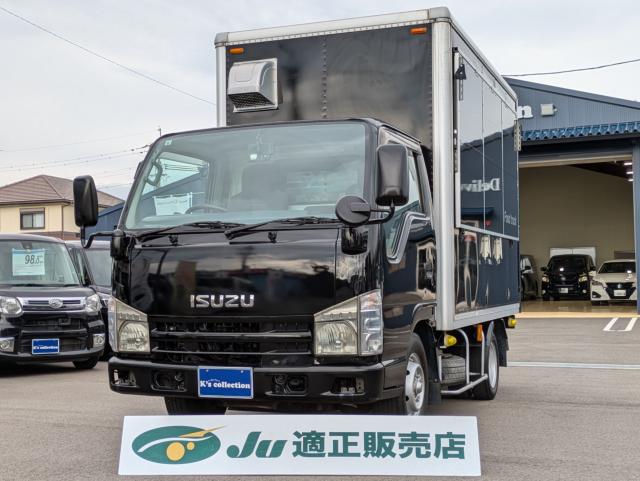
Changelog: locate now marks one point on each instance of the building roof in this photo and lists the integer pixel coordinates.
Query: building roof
(621, 128)
(47, 189)
(576, 114)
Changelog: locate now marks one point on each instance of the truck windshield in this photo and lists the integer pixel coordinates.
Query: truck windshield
(618, 268)
(249, 175)
(36, 263)
(100, 264)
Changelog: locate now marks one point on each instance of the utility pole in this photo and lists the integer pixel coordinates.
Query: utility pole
(159, 131)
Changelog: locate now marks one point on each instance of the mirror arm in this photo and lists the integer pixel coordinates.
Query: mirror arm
(389, 212)
(86, 243)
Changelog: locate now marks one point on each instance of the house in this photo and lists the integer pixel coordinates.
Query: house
(43, 205)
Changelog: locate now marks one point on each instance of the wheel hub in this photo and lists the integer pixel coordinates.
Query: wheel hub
(414, 386)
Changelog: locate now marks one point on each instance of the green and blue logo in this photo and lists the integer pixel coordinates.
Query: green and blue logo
(176, 444)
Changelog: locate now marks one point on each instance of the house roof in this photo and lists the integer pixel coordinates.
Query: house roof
(576, 114)
(47, 189)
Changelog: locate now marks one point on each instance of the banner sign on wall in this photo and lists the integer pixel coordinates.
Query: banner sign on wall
(300, 445)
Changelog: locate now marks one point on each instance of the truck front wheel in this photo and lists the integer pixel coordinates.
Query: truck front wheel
(413, 400)
(179, 405)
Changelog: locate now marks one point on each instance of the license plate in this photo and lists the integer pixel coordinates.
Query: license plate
(45, 346)
(563, 290)
(620, 293)
(225, 382)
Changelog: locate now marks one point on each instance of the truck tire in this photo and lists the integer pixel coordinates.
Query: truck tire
(180, 405)
(414, 399)
(87, 363)
(488, 388)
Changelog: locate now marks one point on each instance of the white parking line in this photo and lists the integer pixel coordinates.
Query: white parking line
(576, 365)
(630, 324)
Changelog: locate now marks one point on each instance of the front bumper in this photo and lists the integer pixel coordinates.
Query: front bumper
(319, 384)
(580, 289)
(600, 293)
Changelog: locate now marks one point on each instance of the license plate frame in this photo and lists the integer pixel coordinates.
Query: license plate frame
(42, 347)
(619, 293)
(212, 379)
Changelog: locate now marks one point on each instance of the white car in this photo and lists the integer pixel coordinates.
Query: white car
(614, 281)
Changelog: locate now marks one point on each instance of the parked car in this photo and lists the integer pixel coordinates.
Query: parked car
(614, 281)
(94, 268)
(528, 277)
(567, 275)
(47, 315)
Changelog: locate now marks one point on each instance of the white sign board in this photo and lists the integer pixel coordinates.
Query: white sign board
(300, 445)
(172, 204)
(26, 262)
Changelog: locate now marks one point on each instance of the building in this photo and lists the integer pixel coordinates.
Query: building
(43, 205)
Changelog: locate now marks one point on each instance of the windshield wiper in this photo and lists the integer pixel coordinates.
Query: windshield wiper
(202, 224)
(247, 229)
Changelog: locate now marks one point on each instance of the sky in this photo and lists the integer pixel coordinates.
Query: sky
(65, 112)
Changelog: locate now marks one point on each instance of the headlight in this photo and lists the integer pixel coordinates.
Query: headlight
(10, 306)
(128, 328)
(352, 327)
(583, 278)
(92, 304)
(595, 282)
(545, 278)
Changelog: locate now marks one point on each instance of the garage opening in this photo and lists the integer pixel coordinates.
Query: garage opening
(581, 208)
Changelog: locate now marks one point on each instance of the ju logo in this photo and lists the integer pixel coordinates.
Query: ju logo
(176, 444)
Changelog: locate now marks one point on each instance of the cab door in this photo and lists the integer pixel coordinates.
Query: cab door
(409, 255)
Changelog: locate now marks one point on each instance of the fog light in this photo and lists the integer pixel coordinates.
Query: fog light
(6, 344)
(450, 340)
(98, 340)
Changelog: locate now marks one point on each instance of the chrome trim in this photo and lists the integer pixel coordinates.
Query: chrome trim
(466, 350)
(221, 86)
(401, 242)
(482, 315)
(43, 302)
(443, 179)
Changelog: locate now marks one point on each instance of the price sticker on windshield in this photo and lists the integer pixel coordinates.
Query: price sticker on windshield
(28, 262)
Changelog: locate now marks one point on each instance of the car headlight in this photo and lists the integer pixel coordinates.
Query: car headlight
(10, 306)
(92, 304)
(545, 278)
(352, 327)
(128, 328)
(583, 278)
(595, 282)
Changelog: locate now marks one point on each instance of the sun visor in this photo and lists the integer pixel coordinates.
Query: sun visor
(254, 85)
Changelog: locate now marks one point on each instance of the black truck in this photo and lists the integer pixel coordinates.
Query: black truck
(46, 314)
(347, 236)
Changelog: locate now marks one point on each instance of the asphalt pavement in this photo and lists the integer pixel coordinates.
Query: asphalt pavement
(568, 408)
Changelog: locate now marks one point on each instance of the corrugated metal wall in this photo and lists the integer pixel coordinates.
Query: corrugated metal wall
(574, 108)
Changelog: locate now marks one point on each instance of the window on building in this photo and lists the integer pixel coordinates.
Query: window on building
(32, 220)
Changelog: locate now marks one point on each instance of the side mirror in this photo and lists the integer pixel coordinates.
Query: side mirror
(393, 175)
(543, 268)
(353, 210)
(85, 201)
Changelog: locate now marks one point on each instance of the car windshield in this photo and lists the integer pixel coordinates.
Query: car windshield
(567, 263)
(249, 175)
(618, 268)
(35, 263)
(100, 266)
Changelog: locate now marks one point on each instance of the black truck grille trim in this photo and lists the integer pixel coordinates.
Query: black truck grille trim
(229, 342)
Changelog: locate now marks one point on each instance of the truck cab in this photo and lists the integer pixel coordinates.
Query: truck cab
(46, 314)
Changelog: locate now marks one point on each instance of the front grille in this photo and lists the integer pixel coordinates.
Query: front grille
(223, 342)
(619, 285)
(67, 344)
(42, 304)
(53, 323)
